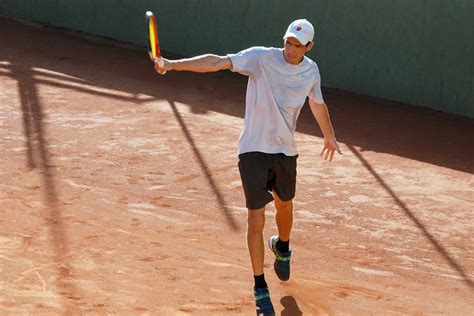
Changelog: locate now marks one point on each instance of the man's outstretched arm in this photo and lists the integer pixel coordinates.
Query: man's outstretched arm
(202, 63)
(321, 114)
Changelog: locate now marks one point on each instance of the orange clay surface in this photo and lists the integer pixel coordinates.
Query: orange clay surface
(120, 193)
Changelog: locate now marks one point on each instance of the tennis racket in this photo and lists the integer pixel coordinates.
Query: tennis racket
(153, 43)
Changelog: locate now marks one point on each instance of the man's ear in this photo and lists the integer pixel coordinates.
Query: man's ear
(309, 46)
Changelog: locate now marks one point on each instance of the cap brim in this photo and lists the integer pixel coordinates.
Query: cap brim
(291, 34)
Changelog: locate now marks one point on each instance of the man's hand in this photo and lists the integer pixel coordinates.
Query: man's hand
(330, 147)
(161, 69)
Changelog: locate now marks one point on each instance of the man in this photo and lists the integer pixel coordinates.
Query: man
(279, 82)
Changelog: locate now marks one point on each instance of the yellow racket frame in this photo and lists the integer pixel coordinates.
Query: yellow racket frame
(153, 38)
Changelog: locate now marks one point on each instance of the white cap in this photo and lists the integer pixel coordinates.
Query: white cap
(302, 30)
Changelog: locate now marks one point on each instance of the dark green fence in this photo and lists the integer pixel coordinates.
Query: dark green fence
(414, 51)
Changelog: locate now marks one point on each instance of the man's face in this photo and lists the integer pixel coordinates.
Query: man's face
(294, 50)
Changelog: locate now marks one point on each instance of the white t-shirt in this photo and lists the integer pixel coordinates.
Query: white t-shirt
(276, 92)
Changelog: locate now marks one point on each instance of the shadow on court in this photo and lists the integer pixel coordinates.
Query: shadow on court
(411, 215)
(412, 132)
(369, 123)
(38, 158)
(387, 127)
(204, 167)
(90, 80)
(290, 307)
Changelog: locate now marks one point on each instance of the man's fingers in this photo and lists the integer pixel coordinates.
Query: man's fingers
(158, 69)
(329, 150)
(332, 155)
(158, 65)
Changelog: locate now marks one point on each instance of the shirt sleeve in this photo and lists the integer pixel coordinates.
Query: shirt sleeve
(246, 62)
(315, 94)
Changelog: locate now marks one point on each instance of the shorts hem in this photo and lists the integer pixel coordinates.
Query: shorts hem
(259, 205)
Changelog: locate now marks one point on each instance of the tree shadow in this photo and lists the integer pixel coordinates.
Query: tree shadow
(411, 215)
(204, 167)
(290, 306)
(412, 132)
(38, 157)
(78, 80)
(368, 123)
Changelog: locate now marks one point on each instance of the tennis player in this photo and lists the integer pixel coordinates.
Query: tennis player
(280, 79)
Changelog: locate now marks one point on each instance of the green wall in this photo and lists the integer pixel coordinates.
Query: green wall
(415, 51)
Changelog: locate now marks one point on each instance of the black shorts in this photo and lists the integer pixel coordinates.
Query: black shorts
(262, 173)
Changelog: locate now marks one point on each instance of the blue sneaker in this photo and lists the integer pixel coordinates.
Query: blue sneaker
(282, 260)
(263, 302)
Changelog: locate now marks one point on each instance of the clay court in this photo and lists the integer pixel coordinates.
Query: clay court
(120, 193)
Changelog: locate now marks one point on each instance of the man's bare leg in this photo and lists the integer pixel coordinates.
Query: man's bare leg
(256, 222)
(283, 217)
(255, 225)
(280, 245)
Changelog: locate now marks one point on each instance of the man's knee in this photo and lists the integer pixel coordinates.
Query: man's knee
(283, 206)
(256, 221)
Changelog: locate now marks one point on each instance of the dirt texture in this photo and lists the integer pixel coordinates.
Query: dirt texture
(120, 193)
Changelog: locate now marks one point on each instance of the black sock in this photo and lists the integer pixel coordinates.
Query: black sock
(283, 246)
(260, 281)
